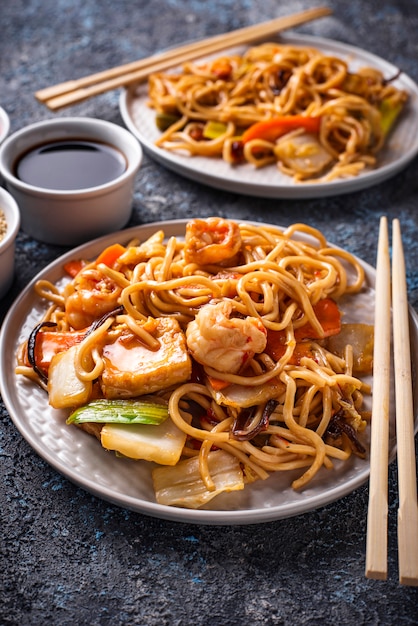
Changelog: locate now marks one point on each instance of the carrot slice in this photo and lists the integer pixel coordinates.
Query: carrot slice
(271, 130)
(72, 268)
(217, 384)
(110, 254)
(329, 317)
(49, 343)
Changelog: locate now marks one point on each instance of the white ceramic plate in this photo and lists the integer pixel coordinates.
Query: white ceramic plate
(400, 149)
(4, 124)
(128, 483)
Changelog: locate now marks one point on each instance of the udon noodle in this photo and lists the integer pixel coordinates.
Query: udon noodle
(232, 324)
(292, 106)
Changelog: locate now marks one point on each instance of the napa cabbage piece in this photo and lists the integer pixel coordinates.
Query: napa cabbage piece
(304, 153)
(361, 338)
(65, 389)
(183, 486)
(162, 443)
(239, 396)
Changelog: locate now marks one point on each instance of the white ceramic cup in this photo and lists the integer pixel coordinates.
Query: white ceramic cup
(71, 217)
(7, 243)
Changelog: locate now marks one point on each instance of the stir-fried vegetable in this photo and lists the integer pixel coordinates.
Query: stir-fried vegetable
(165, 120)
(120, 412)
(329, 317)
(73, 267)
(303, 153)
(47, 343)
(110, 254)
(183, 486)
(241, 396)
(361, 339)
(213, 129)
(65, 388)
(162, 443)
(271, 130)
(390, 112)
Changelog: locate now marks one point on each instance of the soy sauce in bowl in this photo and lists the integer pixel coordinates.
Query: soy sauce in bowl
(73, 178)
(71, 164)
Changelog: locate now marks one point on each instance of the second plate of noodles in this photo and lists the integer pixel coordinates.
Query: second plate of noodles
(300, 117)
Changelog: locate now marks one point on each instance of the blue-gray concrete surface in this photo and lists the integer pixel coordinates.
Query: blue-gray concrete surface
(69, 558)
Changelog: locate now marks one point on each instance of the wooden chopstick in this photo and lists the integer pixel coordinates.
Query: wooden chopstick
(377, 516)
(71, 92)
(376, 548)
(407, 482)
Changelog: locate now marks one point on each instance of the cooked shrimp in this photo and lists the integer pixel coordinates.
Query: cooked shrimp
(89, 296)
(211, 241)
(223, 342)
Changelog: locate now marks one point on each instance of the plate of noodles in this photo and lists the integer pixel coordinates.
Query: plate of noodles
(270, 424)
(234, 121)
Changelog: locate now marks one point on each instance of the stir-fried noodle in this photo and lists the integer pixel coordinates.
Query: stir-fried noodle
(229, 327)
(293, 106)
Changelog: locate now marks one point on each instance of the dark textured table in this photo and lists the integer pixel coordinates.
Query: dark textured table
(67, 557)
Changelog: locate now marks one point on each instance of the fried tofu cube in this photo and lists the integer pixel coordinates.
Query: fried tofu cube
(133, 369)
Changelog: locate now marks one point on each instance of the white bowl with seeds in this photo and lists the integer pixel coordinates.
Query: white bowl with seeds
(9, 226)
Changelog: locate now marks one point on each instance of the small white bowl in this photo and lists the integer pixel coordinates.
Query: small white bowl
(4, 124)
(7, 244)
(4, 130)
(71, 217)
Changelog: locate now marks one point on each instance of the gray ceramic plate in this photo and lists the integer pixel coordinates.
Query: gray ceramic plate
(401, 147)
(82, 460)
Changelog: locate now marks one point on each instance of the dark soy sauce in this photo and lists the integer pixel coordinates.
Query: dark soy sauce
(70, 165)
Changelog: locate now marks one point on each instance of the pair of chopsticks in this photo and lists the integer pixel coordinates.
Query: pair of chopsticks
(71, 92)
(376, 548)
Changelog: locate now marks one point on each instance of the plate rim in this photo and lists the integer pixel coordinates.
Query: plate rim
(179, 165)
(4, 124)
(13, 322)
